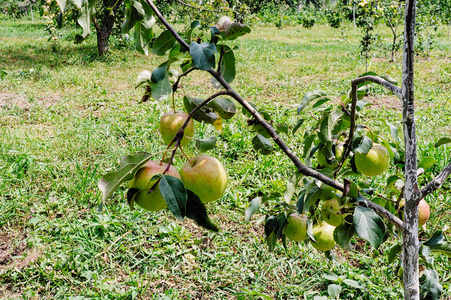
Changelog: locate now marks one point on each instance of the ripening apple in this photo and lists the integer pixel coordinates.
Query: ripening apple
(153, 201)
(170, 124)
(330, 212)
(423, 211)
(296, 228)
(324, 236)
(205, 176)
(322, 161)
(373, 163)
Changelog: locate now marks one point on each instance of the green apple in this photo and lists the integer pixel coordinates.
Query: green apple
(330, 212)
(153, 201)
(205, 176)
(324, 236)
(170, 124)
(296, 228)
(339, 151)
(373, 163)
(328, 192)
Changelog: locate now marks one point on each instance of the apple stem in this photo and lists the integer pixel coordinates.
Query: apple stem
(186, 156)
(372, 134)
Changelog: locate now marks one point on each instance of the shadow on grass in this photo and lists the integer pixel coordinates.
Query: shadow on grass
(41, 53)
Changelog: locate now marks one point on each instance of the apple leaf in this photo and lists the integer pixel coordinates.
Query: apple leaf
(326, 127)
(193, 26)
(196, 211)
(203, 55)
(394, 132)
(436, 239)
(224, 107)
(430, 286)
(362, 145)
(236, 30)
(427, 162)
(369, 226)
(174, 193)
(253, 208)
(131, 195)
(343, 235)
(129, 165)
(442, 141)
(204, 114)
(443, 248)
(228, 70)
(84, 20)
(394, 251)
(204, 145)
(309, 97)
(262, 144)
(163, 43)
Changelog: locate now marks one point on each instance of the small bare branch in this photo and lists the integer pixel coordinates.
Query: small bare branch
(435, 184)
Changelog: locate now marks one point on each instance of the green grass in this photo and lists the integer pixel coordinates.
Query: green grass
(68, 116)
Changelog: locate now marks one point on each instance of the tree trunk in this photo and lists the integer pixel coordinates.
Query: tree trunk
(411, 243)
(105, 29)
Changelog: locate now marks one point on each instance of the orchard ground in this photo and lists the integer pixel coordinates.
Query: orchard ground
(67, 117)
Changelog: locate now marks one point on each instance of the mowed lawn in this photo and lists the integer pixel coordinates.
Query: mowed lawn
(68, 116)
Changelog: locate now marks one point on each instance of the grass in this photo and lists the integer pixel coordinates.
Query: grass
(67, 116)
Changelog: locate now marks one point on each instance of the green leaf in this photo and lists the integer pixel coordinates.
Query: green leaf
(298, 125)
(443, 248)
(326, 127)
(203, 55)
(129, 165)
(391, 180)
(427, 162)
(334, 291)
(196, 211)
(253, 208)
(228, 70)
(393, 254)
(262, 144)
(193, 26)
(236, 30)
(161, 90)
(369, 226)
(436, 239)
(430, 286)
(174, 193)
(442, 141)
(164, 42)
(311, 96)
(312, 196)
(343, 235)
(204, 145)
(204, 114)
(84, 20)
(362, 145)
(225, 108)
(394, 132)
(282, 128)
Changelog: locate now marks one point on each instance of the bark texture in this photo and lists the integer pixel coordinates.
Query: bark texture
(411, 244)
(105, 29)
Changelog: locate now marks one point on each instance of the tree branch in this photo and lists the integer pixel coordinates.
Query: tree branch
(435, 184)
(301, 168)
